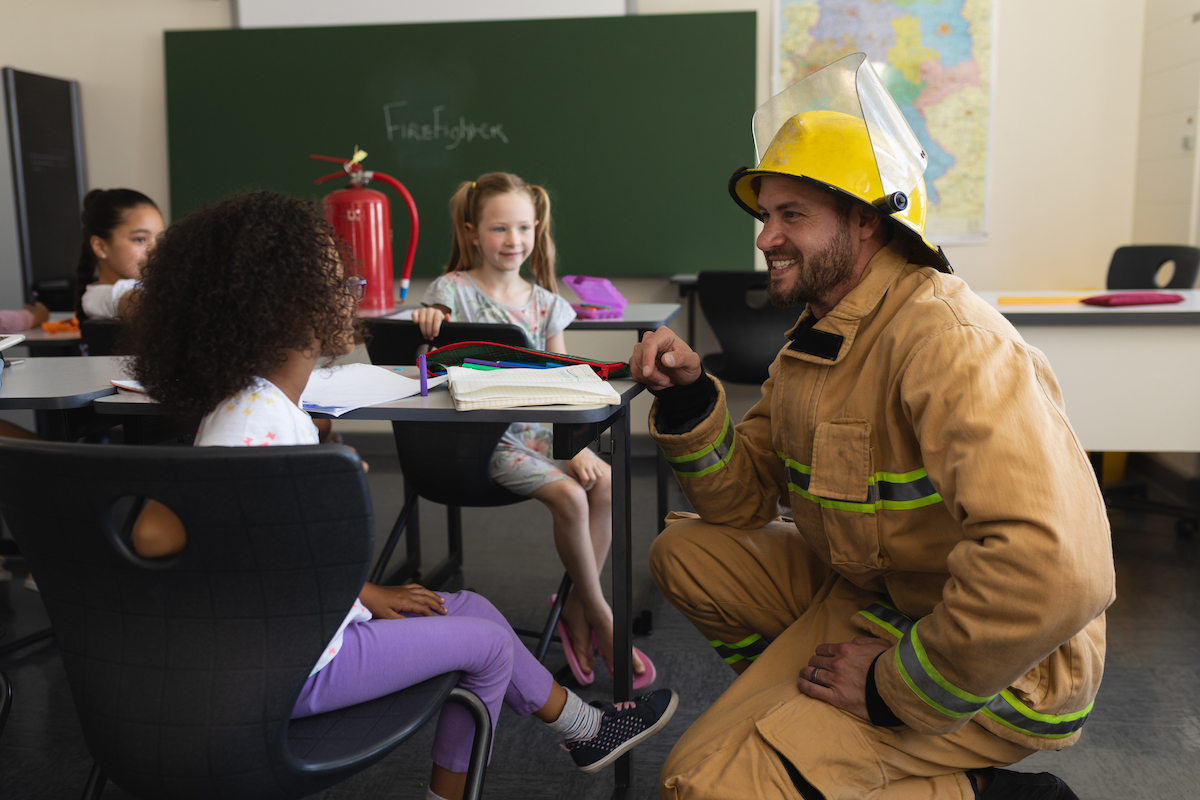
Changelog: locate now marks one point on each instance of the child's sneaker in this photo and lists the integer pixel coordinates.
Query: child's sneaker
(623, 727)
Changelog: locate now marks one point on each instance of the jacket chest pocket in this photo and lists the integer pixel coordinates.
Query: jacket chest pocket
(841, 482)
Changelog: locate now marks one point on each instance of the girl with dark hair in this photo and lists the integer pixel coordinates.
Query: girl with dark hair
(500, 222)
(239, 301)
(119, 229)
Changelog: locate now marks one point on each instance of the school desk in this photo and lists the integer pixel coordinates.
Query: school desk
(1130, 375)
(574, 428)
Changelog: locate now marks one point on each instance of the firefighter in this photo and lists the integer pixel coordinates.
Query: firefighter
(933, 609)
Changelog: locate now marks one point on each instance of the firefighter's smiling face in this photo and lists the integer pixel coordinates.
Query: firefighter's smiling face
(811, 239)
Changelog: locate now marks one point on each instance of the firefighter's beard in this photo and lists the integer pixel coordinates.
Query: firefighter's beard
(814, 279)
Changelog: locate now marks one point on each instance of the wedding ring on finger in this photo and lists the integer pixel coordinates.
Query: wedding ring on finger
(812, 678)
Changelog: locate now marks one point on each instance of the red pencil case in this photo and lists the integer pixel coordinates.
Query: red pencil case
(453, 355)
(1132, 299)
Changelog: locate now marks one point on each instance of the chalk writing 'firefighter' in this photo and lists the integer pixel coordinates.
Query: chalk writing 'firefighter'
(456, 133)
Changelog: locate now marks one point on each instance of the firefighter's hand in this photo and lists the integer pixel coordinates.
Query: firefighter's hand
(662, 359)
(430, 320)
(841, 674)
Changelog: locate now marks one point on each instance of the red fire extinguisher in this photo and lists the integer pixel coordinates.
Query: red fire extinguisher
(362, 217)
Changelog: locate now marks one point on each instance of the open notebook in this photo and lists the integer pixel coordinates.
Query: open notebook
(576, 385)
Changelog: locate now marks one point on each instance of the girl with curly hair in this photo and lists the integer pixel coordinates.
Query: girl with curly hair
(500, 222)
(239, 303)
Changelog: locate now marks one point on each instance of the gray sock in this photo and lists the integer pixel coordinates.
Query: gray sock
(578, 720)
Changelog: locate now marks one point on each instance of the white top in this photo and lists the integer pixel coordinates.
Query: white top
(261, 416)
(100, 299)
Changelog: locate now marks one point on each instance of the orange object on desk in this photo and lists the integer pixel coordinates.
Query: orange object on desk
(61, 326)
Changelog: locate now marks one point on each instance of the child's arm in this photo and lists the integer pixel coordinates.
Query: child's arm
(386, 602)
(430, 319)
(556, 343)
(158, 532)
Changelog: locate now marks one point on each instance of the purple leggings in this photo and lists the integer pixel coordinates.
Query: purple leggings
(386, 655)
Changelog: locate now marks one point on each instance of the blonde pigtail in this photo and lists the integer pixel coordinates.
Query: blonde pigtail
(542, 260)
(462, 251)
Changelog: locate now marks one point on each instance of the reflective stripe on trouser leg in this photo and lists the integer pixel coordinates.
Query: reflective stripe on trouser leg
(748, 649)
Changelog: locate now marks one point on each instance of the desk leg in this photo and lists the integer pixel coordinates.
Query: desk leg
(622, 583)
(662, 477)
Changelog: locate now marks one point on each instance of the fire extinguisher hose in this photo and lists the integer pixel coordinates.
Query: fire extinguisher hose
(413, 227)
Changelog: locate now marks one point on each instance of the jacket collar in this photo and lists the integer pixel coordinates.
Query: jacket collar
(827, 340)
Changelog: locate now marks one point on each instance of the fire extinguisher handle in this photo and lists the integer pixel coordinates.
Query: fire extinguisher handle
(413, 226)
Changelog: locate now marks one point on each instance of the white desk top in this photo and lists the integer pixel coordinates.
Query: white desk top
(437, 407)
(58, 383)
(637, 317)
(1075, 313)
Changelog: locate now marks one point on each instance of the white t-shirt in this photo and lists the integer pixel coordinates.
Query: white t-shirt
(261, 416)
(100, 299)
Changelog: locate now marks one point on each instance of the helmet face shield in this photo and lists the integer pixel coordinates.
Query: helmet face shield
(839, 128)
(851, 87)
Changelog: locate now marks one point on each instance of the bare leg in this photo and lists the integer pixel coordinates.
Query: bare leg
(583, 533)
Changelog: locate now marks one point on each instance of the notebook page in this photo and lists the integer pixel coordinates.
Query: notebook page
(507, 388)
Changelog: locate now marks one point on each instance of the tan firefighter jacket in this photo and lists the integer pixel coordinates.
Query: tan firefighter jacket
(925, 454)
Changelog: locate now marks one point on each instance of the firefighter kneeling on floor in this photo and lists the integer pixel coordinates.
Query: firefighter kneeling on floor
(934, 609)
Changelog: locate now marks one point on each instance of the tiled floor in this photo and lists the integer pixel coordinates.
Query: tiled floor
(1143, 740)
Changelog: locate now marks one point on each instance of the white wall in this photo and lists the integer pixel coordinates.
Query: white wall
(114, 49)
(276, 13)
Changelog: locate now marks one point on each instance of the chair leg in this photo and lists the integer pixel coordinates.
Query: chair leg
(481, 747)
(95, 783)
(552, 620)
(412, 562)
(5, 699)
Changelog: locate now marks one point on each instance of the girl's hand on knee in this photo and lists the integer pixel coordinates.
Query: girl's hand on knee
(389, 602)
(430, 320)
(586, 468)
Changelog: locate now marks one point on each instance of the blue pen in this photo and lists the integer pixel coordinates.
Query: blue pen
(515, 365)
(424, 378)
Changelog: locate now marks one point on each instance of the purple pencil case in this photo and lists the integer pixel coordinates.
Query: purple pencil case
(598, 298)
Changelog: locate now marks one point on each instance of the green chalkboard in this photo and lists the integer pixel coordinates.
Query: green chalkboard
(633, 124)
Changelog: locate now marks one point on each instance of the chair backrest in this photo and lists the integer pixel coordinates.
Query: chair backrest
(1135, 266)
(394, 341)
(100, 336)
(184, 670)
(750, 329)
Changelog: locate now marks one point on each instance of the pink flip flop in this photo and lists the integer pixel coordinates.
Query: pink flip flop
(584, 678)
(639, 681)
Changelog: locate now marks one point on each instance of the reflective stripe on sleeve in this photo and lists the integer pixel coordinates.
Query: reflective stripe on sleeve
(708, 459)
(887, 490)
(749, 648)
(928, 684)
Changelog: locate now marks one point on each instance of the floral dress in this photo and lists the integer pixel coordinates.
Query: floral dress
(522, 461)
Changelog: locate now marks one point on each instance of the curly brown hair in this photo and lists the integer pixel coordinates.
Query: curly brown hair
(226, 291)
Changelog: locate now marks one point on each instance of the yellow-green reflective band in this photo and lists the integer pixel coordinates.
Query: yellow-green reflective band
(888, 618)
(1011, 712)
(894, 491)
(749, 648)
(1005, 707)
(708, 459)
(922, 677)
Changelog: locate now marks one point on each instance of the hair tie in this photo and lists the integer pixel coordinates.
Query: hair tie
(472, 184)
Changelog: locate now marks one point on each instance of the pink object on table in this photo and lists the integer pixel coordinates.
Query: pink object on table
(1132, 299)
(595, 292)
(15, 320)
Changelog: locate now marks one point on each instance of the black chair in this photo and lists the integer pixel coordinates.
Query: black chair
(100, 336)
(185, 669)
(1136, 266)
(5, 694)
(750, 329)
(446, 463)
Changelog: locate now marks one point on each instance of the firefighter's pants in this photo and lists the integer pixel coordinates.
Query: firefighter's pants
(745, 589)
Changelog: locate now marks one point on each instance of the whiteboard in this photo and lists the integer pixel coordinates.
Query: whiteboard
(302, 13)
